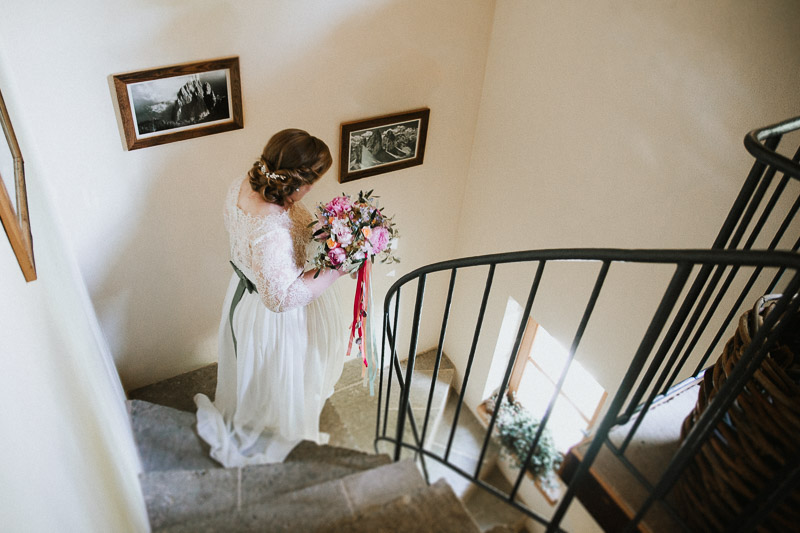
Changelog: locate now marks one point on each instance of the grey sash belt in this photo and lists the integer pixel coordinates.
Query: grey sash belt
(244, 284)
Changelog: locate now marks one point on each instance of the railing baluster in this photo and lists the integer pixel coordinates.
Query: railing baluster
(783, 485)
(745, 194)
(640, 358)
(732, 274)
(650, 369)
(723, 289)
(751, 359)
(475, 337)
(411, 421)
(746, 217)
(587, 314)
(510, 367)
(393, 355)
(782, 270)
(412, 351)
(436, 365)
(655, 390)
(749, 190)
(748, 286)
(384, 334)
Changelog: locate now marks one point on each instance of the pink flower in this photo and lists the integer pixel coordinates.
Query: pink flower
(336, 256)
(379, 238)
(339, 205)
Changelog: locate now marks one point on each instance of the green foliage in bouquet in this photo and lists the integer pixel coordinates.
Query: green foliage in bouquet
(349, 232)
(517, 428)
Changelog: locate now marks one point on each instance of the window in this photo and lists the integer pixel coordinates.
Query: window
(533, 381)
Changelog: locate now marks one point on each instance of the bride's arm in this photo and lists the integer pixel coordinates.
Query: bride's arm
(281, 284)
(324, 280)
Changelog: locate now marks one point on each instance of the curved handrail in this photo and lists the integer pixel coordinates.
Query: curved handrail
(754, 140)
(754, 258)
(675, 336)
(684, 261)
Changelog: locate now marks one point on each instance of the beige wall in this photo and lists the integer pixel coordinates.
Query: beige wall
(613, 124)
(146, 225)
(594, 124)
(67, 456)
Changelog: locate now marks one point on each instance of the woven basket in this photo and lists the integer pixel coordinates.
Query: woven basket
(759, 434)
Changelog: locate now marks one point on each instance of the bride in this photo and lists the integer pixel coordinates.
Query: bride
(281, 341)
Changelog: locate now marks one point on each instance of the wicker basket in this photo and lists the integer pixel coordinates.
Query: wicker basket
(759, 434)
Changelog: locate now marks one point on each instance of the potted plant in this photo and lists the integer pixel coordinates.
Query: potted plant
(516, 428)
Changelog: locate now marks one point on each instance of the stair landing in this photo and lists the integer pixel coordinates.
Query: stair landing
(612, 493)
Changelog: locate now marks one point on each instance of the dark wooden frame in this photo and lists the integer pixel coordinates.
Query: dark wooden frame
(345, 174)
(16, 223)
(236, 121)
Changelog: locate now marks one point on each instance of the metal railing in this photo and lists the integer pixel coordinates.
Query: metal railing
(696, 308)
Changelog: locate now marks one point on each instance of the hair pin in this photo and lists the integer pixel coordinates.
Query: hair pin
(263, 168)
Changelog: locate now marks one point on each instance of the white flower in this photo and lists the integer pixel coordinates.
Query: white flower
(344, 235)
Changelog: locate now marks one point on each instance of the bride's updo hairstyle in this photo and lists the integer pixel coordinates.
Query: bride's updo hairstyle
(292, 158)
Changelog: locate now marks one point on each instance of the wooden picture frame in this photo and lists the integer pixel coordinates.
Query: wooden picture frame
(14, 209)
(168, 104)
(402, 144)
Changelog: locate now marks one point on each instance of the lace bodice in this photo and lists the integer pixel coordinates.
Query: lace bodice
(270, 250)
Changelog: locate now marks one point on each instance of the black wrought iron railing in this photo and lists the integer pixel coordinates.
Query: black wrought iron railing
(692, 309)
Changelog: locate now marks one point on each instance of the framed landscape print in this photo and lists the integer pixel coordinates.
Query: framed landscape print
(168, 104)
(14, 197)
(383, 144)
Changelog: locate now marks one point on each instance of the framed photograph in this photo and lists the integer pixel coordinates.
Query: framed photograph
(169, 104)
(14, 198)
(383, 144)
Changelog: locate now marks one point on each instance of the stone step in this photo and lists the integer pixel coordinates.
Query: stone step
(178, 496)
(308, 451)
(350, 413)
(433, 509)
(166, 438)
(502, 529)
(491, 513)
(314, 508)
(178, 391)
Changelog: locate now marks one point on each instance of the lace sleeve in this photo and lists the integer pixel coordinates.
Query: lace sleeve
(277, 275)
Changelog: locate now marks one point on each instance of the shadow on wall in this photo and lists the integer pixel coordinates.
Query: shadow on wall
(161, 300)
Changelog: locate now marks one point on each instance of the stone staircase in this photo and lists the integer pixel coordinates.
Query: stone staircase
(317, 488)
(341, 487)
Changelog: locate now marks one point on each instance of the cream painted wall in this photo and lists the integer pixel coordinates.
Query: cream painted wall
(612, 124)
(616, 124)
(146, 225)
(598, 124)
(67, 457)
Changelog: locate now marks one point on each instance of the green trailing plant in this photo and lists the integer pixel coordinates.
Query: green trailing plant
(516, 429)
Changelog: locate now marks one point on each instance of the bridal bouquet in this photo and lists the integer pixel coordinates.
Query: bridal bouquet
(349, 235)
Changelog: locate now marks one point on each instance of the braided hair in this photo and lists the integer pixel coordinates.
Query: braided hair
(291, 159)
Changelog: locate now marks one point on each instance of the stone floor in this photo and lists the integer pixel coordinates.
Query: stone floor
(349, 417)
(318, 489)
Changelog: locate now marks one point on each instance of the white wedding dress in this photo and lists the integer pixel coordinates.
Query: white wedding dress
(289, 347)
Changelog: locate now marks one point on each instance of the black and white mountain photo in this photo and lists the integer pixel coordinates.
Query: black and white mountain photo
(180, 101)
